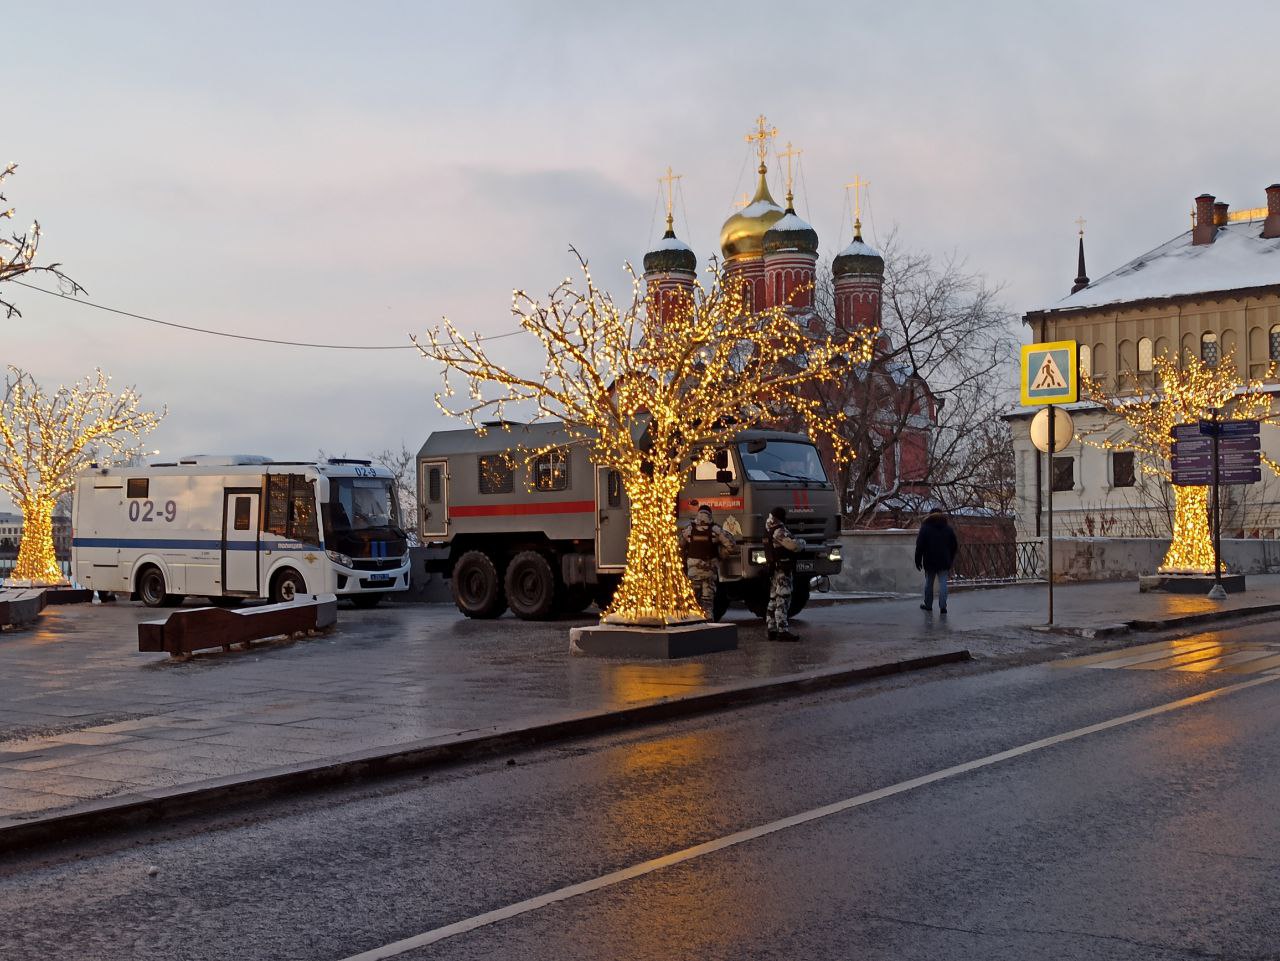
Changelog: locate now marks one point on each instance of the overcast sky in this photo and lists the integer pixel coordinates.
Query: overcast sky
(349, 173)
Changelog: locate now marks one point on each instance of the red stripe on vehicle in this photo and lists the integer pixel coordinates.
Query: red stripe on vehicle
(521, 510)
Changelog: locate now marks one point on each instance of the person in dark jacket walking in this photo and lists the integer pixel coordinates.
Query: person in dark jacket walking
(936, 547)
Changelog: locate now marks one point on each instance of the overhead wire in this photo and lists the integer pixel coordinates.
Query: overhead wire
(222, 333)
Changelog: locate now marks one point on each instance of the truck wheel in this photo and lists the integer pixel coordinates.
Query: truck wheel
(720, 606)
(531, 586)
(287, 585)
(477, 592)
(799, 595)
(575, 599)
(151, 587)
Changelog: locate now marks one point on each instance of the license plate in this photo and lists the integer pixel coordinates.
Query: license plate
(804, 565)
(379, 577)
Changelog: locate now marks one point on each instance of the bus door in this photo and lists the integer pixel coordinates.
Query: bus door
(433, 498)
(613, 524)
(240, 540)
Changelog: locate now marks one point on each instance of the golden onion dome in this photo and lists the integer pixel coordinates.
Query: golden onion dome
(742, 236)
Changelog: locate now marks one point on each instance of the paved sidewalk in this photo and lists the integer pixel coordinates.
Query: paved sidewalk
(86, 718)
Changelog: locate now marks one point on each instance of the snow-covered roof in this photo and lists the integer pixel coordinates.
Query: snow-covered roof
(1239, 257)
(790, 222)
(859, 249)
(671, 243)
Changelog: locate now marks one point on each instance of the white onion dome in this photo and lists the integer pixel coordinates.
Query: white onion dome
(670, 254)
(791, 233)
(858, 258)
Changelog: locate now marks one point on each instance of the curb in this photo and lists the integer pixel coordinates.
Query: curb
(1140, 625)
(162, 804)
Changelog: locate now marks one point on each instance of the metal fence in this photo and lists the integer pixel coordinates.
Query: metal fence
(7, 565)
(999, 562)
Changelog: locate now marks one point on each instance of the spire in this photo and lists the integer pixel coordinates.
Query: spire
(1082, 279)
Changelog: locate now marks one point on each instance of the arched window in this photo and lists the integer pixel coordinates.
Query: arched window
(1086, 360)
(1145, 355)
(1275, 342)
(1209, 348)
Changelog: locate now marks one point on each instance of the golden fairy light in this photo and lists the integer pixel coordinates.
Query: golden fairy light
(46, 440)
(649, 392)
(1182, 395)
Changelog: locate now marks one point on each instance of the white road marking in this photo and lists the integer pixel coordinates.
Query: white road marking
(730, 840)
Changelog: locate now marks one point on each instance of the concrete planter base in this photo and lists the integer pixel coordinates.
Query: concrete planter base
(629, 641)
(1189, 583)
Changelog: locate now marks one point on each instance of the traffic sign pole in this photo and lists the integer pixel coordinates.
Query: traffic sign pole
(1217, 511)
(1052, 420)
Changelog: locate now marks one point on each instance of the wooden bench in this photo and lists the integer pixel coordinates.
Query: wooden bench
(20, 605)
(204, 628)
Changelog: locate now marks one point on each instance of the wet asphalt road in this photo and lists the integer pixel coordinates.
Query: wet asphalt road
(1155, 839)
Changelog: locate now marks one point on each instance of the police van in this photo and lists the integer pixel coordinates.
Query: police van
(239, 526)
(550, 537)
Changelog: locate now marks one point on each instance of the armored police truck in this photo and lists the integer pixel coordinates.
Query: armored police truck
(240, 526)
(550, 537)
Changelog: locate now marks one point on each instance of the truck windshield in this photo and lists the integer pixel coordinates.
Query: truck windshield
(783, 460)
(362, 503)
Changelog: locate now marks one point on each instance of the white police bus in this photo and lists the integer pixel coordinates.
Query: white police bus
(239, 526)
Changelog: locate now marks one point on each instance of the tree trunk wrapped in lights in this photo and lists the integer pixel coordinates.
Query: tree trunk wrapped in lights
(1182, 394)
(46, 440)
(649, 393)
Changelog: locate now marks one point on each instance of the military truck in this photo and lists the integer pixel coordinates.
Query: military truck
(550, 537)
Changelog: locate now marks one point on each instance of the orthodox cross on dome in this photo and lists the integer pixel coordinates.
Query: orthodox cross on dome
(857, 185)
(1080, 222)
(742, 202)
(761, 137)
(670, 181)
(790, 153)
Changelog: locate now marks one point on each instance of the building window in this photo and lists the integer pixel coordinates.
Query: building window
(1064, 473)
(1275, 343)
(496, 475)
(551, 471)
(1209, 349)
(1122, 468)
(1086, 361)
(137, 486)
(1145, 358)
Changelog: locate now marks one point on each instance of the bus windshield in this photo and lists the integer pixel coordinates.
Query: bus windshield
(362, 503)
(783, 460)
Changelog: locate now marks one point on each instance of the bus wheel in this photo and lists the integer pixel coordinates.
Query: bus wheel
(365, 601)
(531, 586)
(800, 589)
(477, 591)
(151, 587)
(287, 585)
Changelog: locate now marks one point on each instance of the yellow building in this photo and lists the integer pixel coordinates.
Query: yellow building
(1212, 292)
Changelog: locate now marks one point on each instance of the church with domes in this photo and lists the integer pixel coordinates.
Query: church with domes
(773, 253)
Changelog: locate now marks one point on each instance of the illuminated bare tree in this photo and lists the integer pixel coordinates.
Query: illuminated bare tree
(649, 392)
(46, 440)
(1181, 394)
(18, 253)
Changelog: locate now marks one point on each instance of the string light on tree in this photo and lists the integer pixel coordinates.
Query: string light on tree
(1183, 394)
(46, 440)
(650, 392)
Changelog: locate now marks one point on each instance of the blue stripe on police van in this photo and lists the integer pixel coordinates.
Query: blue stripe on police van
(177, 544)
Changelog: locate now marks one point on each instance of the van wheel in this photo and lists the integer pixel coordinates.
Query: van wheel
(287, 585)
(531, 586)
(366, 601)
(151, 587)
(477, 591)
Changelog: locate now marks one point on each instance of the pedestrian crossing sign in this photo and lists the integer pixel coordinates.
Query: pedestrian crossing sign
(1049, 374)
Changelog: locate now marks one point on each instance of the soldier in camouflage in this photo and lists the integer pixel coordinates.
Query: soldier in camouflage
(701, 542)
(780, 550)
